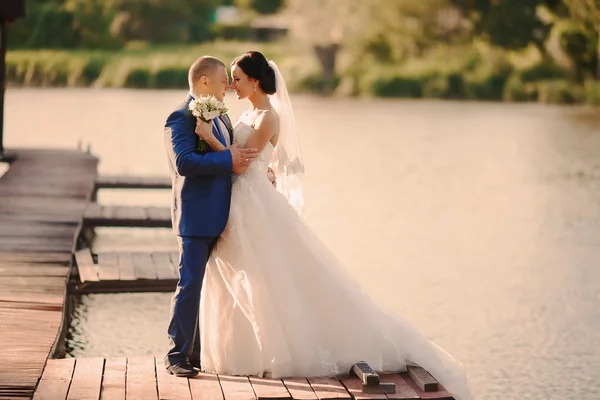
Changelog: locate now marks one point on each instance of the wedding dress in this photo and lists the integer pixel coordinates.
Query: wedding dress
(276, 302)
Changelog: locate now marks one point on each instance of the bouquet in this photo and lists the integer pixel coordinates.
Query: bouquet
(206, 108)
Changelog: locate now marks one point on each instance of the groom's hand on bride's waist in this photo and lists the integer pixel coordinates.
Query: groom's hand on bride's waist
(241, 157)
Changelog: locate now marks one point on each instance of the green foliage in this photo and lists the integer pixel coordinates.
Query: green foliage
(398, 86)
(512, 24)
(544, 70)
(46, 24)
(109, 24)
(171, 78)
(261, 6)
(138, 78)
(516, 90)
(581, 46)
(232, 31)
(92, 69)
(592, 92)
(560, 92)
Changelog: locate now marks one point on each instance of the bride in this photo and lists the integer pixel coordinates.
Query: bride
(275, 301)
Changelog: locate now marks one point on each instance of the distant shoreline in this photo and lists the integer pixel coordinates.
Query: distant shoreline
(165, 67)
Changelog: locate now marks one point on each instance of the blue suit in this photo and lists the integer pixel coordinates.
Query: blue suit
(200, 209)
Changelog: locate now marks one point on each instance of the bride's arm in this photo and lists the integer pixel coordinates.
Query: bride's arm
(205, 132)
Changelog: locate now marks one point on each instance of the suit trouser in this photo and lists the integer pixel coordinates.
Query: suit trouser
(184, 331)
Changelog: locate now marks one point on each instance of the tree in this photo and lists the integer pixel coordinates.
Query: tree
(326, 26)
(587, 13)
(46, 24)
(91, 22)
(512, 24)
(163, 20)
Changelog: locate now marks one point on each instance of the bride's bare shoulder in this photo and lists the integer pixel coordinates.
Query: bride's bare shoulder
(268, 117)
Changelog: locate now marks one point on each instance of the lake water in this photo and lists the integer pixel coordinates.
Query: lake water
(479, 222)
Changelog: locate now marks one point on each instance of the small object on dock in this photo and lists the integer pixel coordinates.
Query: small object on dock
(423, 379)
(127, 216)
(366, 374)
(133, 182)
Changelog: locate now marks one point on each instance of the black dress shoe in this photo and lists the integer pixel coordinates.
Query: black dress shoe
(182, 369)
(195, 363)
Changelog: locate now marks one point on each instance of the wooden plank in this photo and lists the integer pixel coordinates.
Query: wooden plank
(159, 214)
(113, 383)
(440, 394)
(129, 213)
(403, 390)
(56, 380)
(423, 379)
(205, 387)
(354, 387)
(85, 266)
(106, 212)
(51, 270)
(127, 216)
(143, 265)
(300, 389)
(35, 258)
(171, 387)
(87, 379)
(133, 182)
(35, 229)
(93, 211)
(141, 378)
(108, 267)
(269, 389)
(366, 374)
(236, 388)
(329, 389)
(162, 266)
(175, 262)
(126, 269)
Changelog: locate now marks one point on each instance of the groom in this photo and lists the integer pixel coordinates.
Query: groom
(201, 199)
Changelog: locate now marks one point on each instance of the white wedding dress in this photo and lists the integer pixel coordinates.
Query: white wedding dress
(276, 302)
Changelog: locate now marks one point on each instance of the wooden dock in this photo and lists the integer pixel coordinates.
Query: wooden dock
(111, 272)
(145, 377)
(45, 201)
(42, 199)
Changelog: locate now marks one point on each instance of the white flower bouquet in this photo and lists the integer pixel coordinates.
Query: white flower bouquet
(206, 108)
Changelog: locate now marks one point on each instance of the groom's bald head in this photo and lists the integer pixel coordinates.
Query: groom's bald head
(204, 66)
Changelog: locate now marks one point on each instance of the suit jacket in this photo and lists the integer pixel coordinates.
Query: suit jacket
(201, 182)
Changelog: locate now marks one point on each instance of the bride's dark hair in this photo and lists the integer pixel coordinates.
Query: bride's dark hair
(256, 66)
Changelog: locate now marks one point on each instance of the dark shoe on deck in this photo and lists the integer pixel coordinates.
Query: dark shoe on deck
(183, 369)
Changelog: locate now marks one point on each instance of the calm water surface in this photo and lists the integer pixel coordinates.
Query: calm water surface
(478, 222)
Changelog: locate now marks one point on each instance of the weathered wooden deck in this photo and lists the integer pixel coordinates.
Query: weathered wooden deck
(111, 272)
(145, 378)
(42, 199)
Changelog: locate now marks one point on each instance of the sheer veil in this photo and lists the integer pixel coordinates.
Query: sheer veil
(286, 161)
